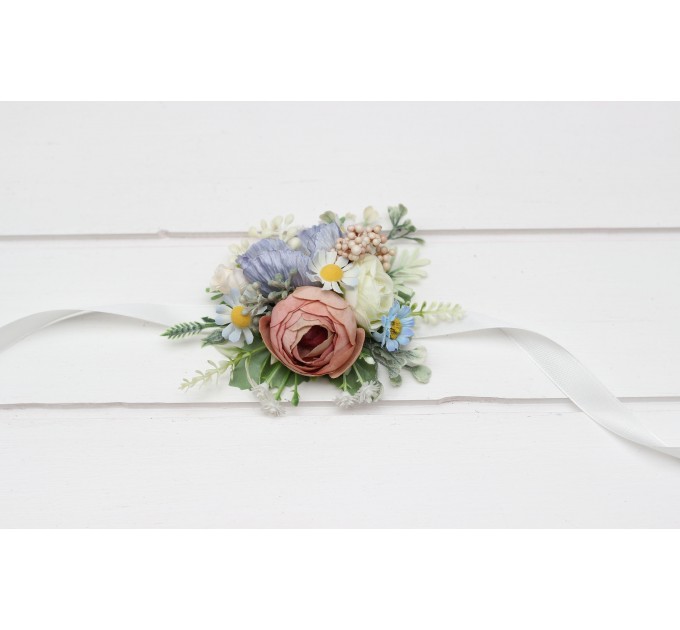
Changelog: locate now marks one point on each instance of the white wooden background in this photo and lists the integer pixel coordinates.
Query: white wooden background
(565, 217)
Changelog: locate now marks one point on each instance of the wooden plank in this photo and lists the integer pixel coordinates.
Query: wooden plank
(605, 299)
(456, 467)
(98, 168)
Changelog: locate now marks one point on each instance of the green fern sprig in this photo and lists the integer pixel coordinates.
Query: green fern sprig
(437, 311)
(203, 378)
(188, 328)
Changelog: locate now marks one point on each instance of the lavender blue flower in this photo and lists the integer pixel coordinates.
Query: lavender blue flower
(270, 259)
(320, 237)
(261, 246)
(397, 327)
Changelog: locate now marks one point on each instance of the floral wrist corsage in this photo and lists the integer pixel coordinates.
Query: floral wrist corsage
(331, 301)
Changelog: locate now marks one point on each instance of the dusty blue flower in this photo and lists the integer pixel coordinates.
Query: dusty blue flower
(320, 237)
(397, 327)
(271, 259)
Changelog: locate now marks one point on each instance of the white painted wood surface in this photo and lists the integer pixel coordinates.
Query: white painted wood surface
(131, 168)
(559, 216)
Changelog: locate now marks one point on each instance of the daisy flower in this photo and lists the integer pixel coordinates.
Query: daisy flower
(397, 327)
(333, 271)
(232, 314)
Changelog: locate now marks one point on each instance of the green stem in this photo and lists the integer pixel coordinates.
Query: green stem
(273, 373)
(252, 352)
(283, 386)
(246, 355)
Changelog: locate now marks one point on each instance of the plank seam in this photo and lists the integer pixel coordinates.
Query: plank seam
(479, 232)
(447, 400)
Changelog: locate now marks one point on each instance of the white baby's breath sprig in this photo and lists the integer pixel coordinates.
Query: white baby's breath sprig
(267, 400)
(368, 393)
(344, 400)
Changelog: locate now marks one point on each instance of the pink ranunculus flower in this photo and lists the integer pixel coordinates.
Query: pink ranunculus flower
(313, 332)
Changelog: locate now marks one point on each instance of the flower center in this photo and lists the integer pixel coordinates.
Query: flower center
(238, 318)
(395, 328)
(331, 273)
(313, 338)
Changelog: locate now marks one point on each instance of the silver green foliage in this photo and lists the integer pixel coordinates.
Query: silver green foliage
(401, 226)
(408, 267)
(395, 362)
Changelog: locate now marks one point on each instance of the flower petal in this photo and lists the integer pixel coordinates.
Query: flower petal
(248, 335)
(235, 335)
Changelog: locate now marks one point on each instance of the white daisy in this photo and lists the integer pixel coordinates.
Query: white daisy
(237, 321)
(333, 271)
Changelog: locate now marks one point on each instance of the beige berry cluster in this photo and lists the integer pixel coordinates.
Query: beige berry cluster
(361, 240)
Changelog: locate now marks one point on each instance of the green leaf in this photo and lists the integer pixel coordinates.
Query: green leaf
(411, 359)
(401, 227)
(280, 378)
(329, 217)
(252, 365)
(248, 365)
(414, 356)
(295, 400)
(214, 338)
(396, 214)
(393, 361)
(421, 373)
(362, 371)
(405, 294)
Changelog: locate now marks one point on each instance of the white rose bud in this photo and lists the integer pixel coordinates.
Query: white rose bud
(374, 294)
(225, 279)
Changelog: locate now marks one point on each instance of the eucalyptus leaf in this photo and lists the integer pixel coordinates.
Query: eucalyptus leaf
(396, 214)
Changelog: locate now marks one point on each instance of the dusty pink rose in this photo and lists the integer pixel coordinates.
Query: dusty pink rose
(313, 332)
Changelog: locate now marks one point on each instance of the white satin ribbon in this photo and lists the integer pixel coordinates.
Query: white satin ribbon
(565, 370)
